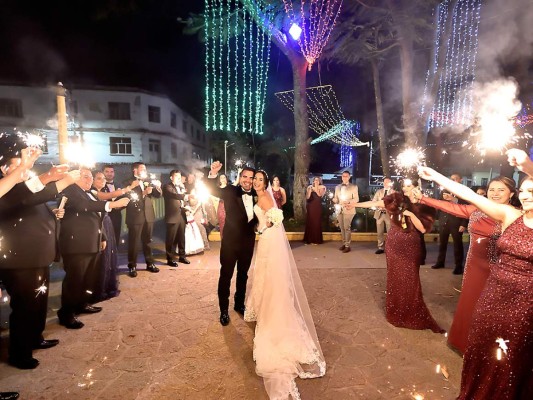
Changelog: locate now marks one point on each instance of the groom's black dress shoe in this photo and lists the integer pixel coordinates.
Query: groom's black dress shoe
(71, 322)
(240, 309)
(9, 395)
(45, 344)
(224, 318)
(151, 267)
(88, 309)
(25, 363)
(183, 260)
(133, 271)
(172, 263)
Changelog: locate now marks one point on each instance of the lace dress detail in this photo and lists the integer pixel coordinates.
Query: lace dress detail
(285, 344)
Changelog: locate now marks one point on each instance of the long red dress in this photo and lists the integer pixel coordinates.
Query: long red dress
(504, 311)
(484, 232)
(405, 307)
(313, 222)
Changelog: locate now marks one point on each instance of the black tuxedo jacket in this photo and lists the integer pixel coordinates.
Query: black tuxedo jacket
(81, 227)
(28, 228)
(236, 226)
(173, 211)
(140, 211)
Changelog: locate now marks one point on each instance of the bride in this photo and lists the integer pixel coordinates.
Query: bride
(286, 344)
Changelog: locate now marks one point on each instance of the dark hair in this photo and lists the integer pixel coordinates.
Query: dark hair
(219, 176)
(136, 165)
(346, 172)
(108, 166)
(247, 168)
(10, 147)
(174, 172)
(265, 176)
(274, 177)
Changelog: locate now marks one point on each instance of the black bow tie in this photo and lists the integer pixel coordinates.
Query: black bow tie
(246, 193)
(110, 183)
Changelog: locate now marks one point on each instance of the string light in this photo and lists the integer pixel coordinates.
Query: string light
(236, 65)
(454, 101)
(317, 19)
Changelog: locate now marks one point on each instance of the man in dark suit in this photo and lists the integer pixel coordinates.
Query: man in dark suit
(451, 225)
(140, 218)
(238, 242)
(81, 240)
(116, 214)
(175, 218)
(28, 248)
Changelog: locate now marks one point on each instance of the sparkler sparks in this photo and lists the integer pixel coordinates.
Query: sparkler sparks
(409, 160)
(75, 153)
(502, 344)
(134, 196)
(41, 289)
(32, 140)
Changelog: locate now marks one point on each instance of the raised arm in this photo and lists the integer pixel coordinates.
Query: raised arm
(519, 159)
(499, 212)
(371, 204)
(459, 210)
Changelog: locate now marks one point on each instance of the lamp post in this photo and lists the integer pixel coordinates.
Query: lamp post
(61, 122)
(226, 155)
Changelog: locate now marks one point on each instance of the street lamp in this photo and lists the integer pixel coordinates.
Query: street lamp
(226, 155)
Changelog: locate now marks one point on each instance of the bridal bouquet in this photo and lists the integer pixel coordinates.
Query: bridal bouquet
(274, 216)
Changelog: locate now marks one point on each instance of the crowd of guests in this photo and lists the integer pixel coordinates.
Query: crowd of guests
(84, 231)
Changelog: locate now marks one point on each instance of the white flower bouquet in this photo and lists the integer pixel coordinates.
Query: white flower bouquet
(274, 216)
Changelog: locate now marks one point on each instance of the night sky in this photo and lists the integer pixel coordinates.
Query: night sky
(139, 43)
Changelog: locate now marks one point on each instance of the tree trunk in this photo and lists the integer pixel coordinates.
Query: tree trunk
(301, 127)
(381, 123)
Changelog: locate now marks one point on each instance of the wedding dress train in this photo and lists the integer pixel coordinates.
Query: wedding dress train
(286, 344)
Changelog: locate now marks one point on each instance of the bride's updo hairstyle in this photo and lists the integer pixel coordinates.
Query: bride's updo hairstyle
(265, 177)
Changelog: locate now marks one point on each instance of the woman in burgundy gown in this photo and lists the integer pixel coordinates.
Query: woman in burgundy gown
(502, 323)
(313, 222)
(484, 232)
(280, 196)
(405, 306)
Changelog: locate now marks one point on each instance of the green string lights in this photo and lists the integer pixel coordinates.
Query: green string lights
(236, 66)
(325, 116)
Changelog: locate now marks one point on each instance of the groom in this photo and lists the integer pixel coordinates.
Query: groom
(239, 237)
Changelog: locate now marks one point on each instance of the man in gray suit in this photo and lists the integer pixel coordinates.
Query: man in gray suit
(381, 216)
(346, 196)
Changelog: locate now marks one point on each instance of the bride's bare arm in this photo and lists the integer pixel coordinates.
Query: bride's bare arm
(370, 204)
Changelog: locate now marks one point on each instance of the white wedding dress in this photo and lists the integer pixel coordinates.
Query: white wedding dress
(286, 344)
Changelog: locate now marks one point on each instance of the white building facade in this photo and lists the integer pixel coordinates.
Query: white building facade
(115, 125)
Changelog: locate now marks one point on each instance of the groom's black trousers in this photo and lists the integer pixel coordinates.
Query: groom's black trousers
(240, 254)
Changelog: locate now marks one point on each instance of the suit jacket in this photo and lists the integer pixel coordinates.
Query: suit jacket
(379, 196)
(81, 227)
(28, 228)
(236, 226)
(449, 220)
(140, 211)
(173, 203)
(350, 193)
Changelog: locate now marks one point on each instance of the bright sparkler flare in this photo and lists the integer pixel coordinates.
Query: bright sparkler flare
(202, 192)
(41, 289)
(32, 140)
(239, 163)
(134, 196)
(502, 344)
(75, 153)
(410, 159)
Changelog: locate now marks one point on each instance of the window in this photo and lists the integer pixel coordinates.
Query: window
(197, 134)
(44, 146)
(184, 126)
(154, 150)
(173, 119)
(119, 145)
(173, 150)
(154, 114)
(120, 111)
(11, 108)
(73, 105)
(192, 131)
(203, 137)
(484, 181)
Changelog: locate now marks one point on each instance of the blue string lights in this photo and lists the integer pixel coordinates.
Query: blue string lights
(454, 102)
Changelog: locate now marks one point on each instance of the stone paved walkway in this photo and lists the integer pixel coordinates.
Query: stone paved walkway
(161, 339)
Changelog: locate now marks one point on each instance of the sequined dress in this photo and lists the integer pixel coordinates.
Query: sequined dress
(313, 222)
(504, 311)
(405, 306)
(278, 197)
(484, 232)
(286, 345)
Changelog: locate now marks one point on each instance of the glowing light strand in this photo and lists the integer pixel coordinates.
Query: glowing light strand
(454, 101)
(317, 19)
(236, 65)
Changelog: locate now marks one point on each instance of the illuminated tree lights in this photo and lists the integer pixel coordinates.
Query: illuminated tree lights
(236, 67)
(454, 102)
(316, 20)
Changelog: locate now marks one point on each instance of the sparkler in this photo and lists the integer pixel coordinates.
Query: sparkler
(502, 346)
(133, 196)
(76, 154)
(202, 192)
(41, 289)
(409, 160)
(32, 140)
